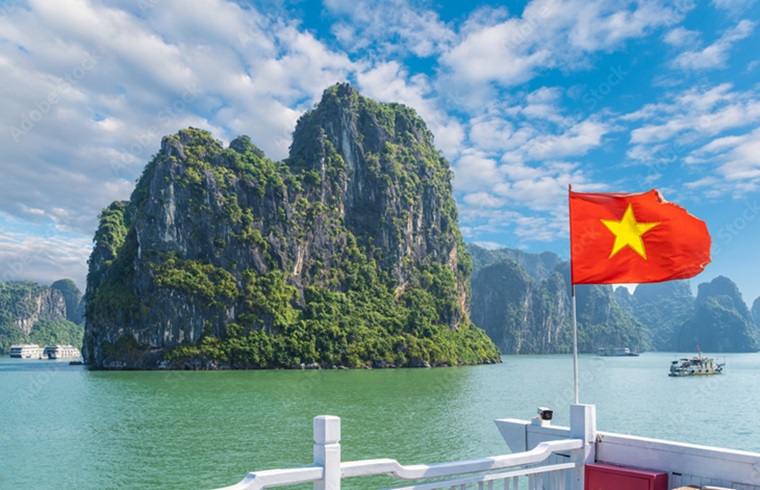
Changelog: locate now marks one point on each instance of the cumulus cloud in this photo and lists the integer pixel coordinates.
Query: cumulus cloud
(549, 34)
(489, 245)
(697, 111)
(675, 132)
(739, 158)
(576, 140)
(681, 37)
(89, 89)
(90, 86)
(389, 27)
(475, 169)
(106, 82)
(45, 258)
(715, 55)
(734, 7)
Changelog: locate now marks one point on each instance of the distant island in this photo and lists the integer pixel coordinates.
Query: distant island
(32, 313)
(347, 254)
(522, 301)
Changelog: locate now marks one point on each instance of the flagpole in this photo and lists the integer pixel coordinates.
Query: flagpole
(572, 293)
(575, 348)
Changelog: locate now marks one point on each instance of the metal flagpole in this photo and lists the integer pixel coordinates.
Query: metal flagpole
(572, 291)
(575, 348)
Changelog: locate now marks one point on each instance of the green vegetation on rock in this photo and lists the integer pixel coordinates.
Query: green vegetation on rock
(34, 314)
(529, 312)
(346, 254)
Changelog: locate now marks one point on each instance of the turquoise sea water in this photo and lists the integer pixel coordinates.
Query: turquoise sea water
(67, 427)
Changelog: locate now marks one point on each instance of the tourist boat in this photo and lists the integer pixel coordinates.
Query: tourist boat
(616, 352)
(26, 351)
(61, 352)
(697, 365)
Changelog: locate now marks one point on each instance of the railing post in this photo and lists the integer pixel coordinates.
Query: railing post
(583, 426)
(327, 451)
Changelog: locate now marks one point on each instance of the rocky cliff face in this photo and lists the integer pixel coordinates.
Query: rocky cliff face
(30, 312)
(663, 308)
(538, 266)
(72, 296)
(521, 316)
(526, 316)
(348, 253)
(721, 321)
(37, 303)
(529, 312)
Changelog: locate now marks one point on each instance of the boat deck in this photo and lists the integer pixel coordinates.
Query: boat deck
(543, 456)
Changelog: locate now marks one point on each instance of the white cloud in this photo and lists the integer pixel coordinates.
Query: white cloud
(739, 158)
(105, 79)
(489, 132)
(697, 111)
(544, 103)
(92, 89)
(715, 55)
(45, 259)
(366, 24)
(483, 200)
(489, 245)
(674, 133)
(474, 170)
(575, 141)
(541, 229)
(681, 37)
(549, 34)
(734, 7)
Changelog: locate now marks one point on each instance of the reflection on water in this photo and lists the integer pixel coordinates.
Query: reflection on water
(179, 429)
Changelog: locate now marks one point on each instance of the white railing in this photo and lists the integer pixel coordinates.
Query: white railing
(541, 467)
(686, 464)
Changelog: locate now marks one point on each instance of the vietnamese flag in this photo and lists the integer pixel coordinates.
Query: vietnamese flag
(633, 238)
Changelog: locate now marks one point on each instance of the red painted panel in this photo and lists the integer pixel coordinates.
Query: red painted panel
(609, 477)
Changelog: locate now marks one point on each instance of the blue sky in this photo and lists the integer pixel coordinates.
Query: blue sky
(523, 98)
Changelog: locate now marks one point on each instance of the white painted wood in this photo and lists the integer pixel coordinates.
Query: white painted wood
(322, 452)
(521, 435)
(582, 426)
(277, 478)
(440, 470)
(513, 432)
(690, 460)
(327, 451)
(481, 480)
(546, 449)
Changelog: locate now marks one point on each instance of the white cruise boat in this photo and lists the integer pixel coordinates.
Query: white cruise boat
(26, 351)
(61, 352)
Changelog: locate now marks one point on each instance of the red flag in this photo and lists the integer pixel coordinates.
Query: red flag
(634, 238)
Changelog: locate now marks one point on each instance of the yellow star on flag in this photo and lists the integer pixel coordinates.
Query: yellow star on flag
(628, 232)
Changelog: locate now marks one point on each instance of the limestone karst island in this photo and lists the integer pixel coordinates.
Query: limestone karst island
(346, 254)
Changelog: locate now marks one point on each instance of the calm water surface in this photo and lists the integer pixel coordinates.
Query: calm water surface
(66, 427)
